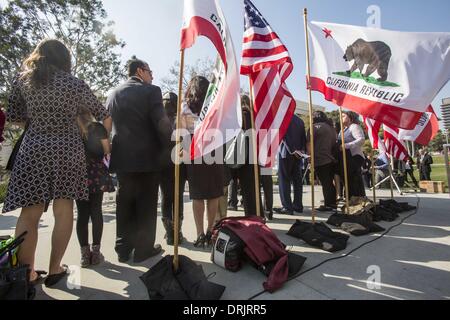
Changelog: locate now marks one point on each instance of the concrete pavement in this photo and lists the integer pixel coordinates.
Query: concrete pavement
(412, 260)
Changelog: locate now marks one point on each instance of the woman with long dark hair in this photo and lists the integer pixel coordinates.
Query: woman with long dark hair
(51, 162)
(205, 180)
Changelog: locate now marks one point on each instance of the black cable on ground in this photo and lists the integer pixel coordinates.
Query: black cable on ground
(348, 253)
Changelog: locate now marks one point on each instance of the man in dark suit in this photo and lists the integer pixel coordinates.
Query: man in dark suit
(290, 167)
(140, 147)
(425, 165)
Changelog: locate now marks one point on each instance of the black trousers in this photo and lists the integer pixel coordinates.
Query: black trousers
(354, 174)
(325, 174)
(137, 205)
(246, 177)
(233, 188)
(367, 179)
(425, 174)
(167, 185)
(267, 186)
(356, 184)
(91, 209)
(411, 174)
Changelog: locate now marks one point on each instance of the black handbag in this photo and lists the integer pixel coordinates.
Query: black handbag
(14, 283)
(14, 279)
(15, 150)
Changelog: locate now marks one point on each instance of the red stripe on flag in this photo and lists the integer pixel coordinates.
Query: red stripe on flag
(199, 26)
(264, 89)
(260, 37)
(431, 129)
(263, 65)
(250, 53)
(388, 114)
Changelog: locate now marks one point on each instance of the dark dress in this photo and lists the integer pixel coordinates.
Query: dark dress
(206, 181)
(51, 162)
(99, 179)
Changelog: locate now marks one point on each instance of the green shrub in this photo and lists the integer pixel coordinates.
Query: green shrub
(3, 189)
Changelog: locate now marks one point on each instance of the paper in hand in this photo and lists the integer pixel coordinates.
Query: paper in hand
(300, 154)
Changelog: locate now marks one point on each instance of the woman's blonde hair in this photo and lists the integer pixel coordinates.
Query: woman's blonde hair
(49, 56)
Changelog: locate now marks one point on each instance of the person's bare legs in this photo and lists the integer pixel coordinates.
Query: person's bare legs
(199, 208)
(29, 221)
(63, 212)
(212, 207)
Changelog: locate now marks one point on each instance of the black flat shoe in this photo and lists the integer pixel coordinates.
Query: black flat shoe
(286, 211)
(40, 277)
(53, 279)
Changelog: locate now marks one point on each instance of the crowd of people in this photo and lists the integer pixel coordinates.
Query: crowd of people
(67, 154)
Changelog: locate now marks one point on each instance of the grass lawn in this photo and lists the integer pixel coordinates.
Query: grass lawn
(438, 173)
(438, 159)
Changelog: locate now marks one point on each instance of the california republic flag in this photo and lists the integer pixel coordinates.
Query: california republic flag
(384, 75)
(425, 130)
(221, 116)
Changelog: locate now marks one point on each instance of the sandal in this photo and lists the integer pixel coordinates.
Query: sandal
(53, 279)
(208, 239)
(200, 242)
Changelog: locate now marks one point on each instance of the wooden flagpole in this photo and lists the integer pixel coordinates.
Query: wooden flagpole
(391, 163)
(255, 153)
(372, 160)
(176, 224)
(311, 127)
(344, 157)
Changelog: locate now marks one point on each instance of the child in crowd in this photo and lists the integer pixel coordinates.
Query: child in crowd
(95, 138)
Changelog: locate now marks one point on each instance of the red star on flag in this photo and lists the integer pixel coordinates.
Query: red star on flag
(327, 33)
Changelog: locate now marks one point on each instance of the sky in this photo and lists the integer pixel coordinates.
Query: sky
(151, 29)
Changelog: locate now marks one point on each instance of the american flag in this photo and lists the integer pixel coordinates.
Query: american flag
(394, 145)
(266, 61)
(391, 144)
(373, 128)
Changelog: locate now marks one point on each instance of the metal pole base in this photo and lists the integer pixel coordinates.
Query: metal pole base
(386, 179)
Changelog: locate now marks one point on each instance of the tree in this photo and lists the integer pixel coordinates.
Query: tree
(437, 143)
(202, 67)
(80, 24)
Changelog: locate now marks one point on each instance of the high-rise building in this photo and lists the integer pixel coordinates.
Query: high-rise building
(445, 109)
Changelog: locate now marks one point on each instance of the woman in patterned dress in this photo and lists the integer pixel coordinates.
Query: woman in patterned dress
(51, 162)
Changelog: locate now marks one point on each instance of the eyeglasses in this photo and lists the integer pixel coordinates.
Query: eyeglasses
(149, 71)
